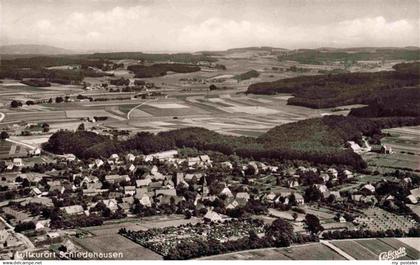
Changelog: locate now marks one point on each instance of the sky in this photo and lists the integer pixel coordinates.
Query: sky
(196, 25)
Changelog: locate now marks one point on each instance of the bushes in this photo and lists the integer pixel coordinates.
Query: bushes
(24, 227)
(247, 75)
(120, 82)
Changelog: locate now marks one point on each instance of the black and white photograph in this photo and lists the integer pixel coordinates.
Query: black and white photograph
(209, 130)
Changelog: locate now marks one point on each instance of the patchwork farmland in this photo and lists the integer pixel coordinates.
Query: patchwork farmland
(359, 249)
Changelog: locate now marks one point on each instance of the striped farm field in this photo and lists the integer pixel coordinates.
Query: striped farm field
(379, 246)
(314, 251)
(355, 250)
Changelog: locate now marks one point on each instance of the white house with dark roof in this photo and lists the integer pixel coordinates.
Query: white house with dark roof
(129, 190)
(227, 192)
(143, 182)
(130, 157)
(212, 216)
(99, 162)
(17, 162)
(73, 210)
(369, 187)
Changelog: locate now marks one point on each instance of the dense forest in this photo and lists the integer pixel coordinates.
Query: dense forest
(38, 67)
(19, 68)
(143, 71)
(320, 56)
(324, 91)
(153, 57)
(390, 103)
(318, 140)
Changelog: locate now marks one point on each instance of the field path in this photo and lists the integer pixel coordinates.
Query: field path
(21, 143)
(336, 249)
(138, 106)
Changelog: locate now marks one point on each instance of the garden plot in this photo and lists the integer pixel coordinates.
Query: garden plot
(116, 243)
(162, 240)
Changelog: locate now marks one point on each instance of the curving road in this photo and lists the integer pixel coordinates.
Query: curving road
(138, 106)
(2, 115)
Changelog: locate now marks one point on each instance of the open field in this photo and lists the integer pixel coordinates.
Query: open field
(117, 243)
(405, 143)
(188, 101)
(369, 249)
(224, 113)
(360, 249)
(375, 245)
(355, 250)
(313, 251)
(8, 150)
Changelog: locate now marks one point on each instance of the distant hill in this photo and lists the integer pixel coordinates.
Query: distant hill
(33, 49)
(328, 91)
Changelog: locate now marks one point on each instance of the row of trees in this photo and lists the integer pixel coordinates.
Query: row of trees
(346, 234)
(319, 140)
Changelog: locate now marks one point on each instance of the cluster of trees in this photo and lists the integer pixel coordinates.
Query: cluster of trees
(77, 143)
(345, 234)
(75, 222)
(24, 226)
(120, 82)
(324, 91)
(4, 135)
(143, 71)
(247, 75)
(319, 140)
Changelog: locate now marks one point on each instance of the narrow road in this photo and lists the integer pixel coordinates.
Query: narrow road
(336, 249)
(21, 237)
(2, 115)
(138, 106)
(20, 143)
